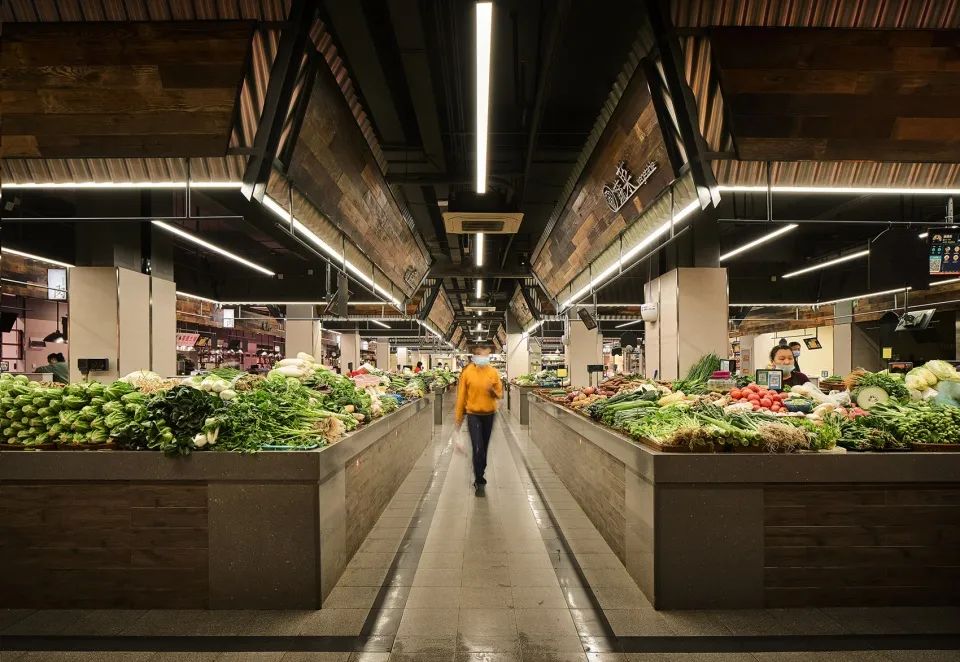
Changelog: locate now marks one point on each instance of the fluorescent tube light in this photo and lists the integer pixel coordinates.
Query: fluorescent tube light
(626, 324)
(379, 323)
(830, 263)
(300, 228)
(479, 288)
(484, 34)
(531, 329)
(478, 249)
(823, 303)
(216, 249)
(31, 256)
(762, 240)
(923, 235)
(859, 190)
(119, 185)
(631, 253)
(187, 295)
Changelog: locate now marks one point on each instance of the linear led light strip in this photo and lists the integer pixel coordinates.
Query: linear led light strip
(299, 227)
(479, 249)
(119, 185)
(379, 323)
(479, 288)
(630, 254)
(824, 303)
(530, 329)
(827, 190)
(484, 34)
(830, 263)
(626, 324)
(761, 240)
(31, 256)
(212, 247)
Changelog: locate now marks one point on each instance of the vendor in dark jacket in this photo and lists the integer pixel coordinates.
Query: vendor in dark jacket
(781, 358)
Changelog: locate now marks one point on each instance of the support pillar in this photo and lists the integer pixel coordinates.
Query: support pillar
(518, 354)
(692, 320)
(124, 316)
(383, 354)
(584, 347)
(349, 351)
(303, 333)
(843, 338)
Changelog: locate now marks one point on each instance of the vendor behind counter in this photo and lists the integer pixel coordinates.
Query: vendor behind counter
(781, 358)
(57, 365)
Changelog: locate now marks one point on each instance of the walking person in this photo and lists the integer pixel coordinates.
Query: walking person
(478, 394)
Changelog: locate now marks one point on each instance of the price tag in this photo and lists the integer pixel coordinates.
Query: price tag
(887, 353)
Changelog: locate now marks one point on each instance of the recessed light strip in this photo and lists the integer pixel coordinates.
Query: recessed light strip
(626, 324)
(761, 240)
(187, 295)
(119, 185)
(479, 288)
(38, 258)
(849, 190)
(300, 228)
(830, 263)
(479, 249)
(212, 247)
(379, 323)
(631, 253)
(484, 34)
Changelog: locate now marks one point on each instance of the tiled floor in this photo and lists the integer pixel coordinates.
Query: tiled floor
(448, 576)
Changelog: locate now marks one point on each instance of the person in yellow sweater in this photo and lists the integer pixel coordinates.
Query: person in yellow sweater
(478, 394)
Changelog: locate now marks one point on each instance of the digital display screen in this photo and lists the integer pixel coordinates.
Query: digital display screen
(944, 253)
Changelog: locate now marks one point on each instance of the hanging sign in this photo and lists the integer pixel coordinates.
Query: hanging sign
(619, 192)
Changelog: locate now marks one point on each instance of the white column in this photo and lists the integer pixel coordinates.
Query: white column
(113, 317)
(517, 350)
(585, 347)
(402, 355)
(383, 354)
(349, 351)
(303, 333)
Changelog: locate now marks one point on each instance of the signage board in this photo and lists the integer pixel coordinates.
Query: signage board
(57, 284)
(944, 253)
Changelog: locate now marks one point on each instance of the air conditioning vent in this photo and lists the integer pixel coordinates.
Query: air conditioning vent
(482, 226)
(468, 222)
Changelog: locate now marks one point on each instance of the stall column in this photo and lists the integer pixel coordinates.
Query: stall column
(692, 319)
(518, 355)
(383, 354)
(349, 351)
(123, 302)
(843, 338)
(303, 332)
(585, 347)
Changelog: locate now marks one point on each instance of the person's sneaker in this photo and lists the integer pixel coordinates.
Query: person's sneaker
(480, 491)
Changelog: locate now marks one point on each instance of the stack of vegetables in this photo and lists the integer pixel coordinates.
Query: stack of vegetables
(298, 405)
(542, 379)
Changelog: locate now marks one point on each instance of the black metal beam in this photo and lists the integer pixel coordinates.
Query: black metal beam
(283, 78)
(309, 75)
(531, 304)
(470, 271)
(424, 312)
(664, 119)
(683, 101)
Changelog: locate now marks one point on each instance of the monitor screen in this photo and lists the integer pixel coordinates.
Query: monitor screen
(944, 253)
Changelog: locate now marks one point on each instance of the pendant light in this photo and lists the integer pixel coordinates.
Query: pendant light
(57, 336)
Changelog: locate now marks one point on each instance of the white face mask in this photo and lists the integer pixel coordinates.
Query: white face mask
(481, 360)
(786, 367)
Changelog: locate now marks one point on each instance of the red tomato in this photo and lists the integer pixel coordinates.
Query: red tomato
(756, 407)
(754, 388)
(775, 408)
(735, 394)
(766, 402)
(753, 397)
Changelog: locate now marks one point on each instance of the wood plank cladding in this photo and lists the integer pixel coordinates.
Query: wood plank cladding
(861, 545)
(103, 545)
(333, 167)
(152, 89)
(587, 225)
(808, 94)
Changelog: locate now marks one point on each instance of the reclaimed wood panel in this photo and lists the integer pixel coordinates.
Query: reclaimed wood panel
(813, 94)
(103, 545)
(587, 226)
(861, 545)
(120, 89)
(334, 168)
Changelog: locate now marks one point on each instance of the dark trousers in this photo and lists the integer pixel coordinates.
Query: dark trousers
(480, 427)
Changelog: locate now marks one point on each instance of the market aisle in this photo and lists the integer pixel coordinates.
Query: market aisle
(448, 576)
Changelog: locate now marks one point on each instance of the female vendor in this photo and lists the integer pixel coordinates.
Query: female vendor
(781, 358)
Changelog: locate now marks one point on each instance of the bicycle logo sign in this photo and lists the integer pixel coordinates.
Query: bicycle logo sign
(623, 187)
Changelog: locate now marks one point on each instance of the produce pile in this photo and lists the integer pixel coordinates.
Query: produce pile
(543, 379)
(880, 412)
(298, 405)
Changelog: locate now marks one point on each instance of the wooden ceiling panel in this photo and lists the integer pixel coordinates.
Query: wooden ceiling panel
(810, 94)
(120, 89)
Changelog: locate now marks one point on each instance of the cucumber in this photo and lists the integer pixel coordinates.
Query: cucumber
(869, 396)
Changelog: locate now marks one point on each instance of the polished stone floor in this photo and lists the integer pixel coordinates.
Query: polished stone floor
(520, 575)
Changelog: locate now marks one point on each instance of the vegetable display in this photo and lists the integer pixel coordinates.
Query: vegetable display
(879, 413)
(299, 405)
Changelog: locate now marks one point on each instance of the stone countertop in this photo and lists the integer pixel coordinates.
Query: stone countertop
(290, 466)
(739, 468)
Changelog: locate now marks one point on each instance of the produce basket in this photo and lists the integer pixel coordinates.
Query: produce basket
(935, 448)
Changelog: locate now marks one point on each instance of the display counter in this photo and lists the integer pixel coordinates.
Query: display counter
(214, 530)
(754, 530)
(520, 402)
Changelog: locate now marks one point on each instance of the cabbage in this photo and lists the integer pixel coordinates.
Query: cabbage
(942, 370)
(929, 394)
(915, 393)
(948, 393)
(915, 383)
(925, 377)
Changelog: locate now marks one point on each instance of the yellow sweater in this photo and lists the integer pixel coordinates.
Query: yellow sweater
(473, 391)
